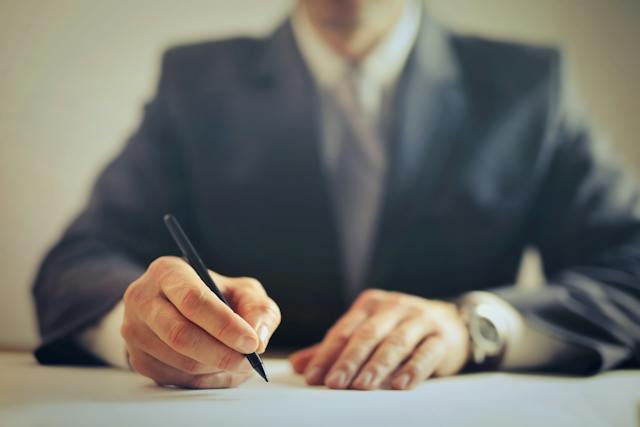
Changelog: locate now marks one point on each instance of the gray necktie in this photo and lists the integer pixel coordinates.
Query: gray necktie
(358, 179)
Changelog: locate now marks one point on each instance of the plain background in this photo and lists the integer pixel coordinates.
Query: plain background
(74, 75)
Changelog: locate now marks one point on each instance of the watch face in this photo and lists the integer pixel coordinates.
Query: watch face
(488, 330)
(486, 336)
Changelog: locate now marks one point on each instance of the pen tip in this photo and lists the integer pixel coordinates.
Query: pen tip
(260, 370)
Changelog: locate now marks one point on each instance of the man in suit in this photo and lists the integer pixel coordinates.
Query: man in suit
(381, 177)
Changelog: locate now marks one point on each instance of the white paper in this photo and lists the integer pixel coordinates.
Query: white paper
(33, 395)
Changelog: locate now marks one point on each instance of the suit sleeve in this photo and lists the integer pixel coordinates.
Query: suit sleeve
(586, 224)
(114, 238)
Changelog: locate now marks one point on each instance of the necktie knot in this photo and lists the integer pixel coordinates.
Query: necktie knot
(357, 94)
(354, 96)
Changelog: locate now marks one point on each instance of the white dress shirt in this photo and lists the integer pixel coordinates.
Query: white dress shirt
(381, 69)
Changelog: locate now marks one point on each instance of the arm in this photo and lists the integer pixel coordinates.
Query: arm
(104, 340)
(586, 225)
(113, 240)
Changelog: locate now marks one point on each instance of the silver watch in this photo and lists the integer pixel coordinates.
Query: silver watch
(486, 334)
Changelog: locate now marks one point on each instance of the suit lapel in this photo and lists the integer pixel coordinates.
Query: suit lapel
(426, 132)
(284, 84)
(426, 135)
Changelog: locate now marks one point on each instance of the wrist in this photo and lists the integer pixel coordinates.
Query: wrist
(488, 329)
(468, 348)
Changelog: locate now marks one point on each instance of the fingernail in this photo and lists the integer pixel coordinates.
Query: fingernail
(246, 344)
(364, 380)
(337, 379)
(263, 334)
(314, 375)
(401, 382)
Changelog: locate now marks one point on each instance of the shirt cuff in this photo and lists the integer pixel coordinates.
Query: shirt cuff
(526, 348)
(104, 341)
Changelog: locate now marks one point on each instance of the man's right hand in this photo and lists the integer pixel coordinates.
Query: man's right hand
(179, 333)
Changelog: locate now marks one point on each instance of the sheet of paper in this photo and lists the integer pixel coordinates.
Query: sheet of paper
(34, 395)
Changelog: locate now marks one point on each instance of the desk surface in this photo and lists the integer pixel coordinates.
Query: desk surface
(33, 395)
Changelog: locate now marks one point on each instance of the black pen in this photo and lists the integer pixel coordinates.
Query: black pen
(196, 263)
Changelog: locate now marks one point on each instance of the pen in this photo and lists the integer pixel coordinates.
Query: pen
(196, 263)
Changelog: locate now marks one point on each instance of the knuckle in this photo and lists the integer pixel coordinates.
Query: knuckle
(191, 301)
(162, 269)
(338, 336)
(352, 357)
(413, 368)
(369, 299)
(252, 283)
(398, 339)
(346, 365)
(269, 308)
(369, 294)
(197, 381)
(373, 292)
(227, 381)
(273, 309)
(396, 297)
(383, 362)
(414, 311)
(275, 313)
(160, 265)
(180, 336)
(226, 320)
(367, 332)
(228, 360)
(134, 295)
(191, 366)
(217, 380)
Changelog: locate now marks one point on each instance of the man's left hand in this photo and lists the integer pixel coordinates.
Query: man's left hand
(387, 339)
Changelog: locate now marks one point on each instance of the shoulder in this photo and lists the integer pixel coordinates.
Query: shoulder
(229, 50)
(505, 68)
(214, 60)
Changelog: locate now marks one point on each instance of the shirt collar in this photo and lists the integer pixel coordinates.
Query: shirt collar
(382, 66)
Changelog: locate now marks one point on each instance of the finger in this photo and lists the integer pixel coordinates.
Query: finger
(331, 346)
(220, 380)
(363, 342)
(251, 302)
(457, 337)
(300, 359)
(393, 350)
(150, 367)
(421, 365)
(182, 286)
(370, 299)
(187, 338)
(140, 336)
(165, 375)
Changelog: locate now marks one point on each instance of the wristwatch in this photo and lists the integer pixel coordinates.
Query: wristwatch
(487, 332)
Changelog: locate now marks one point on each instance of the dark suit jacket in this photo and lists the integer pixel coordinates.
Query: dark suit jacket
(230, 145)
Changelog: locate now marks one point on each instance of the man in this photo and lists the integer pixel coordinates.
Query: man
(372, 171)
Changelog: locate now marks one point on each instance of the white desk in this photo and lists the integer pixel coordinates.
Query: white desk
(32, 395)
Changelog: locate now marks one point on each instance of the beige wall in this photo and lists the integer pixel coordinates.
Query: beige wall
(74, 74)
